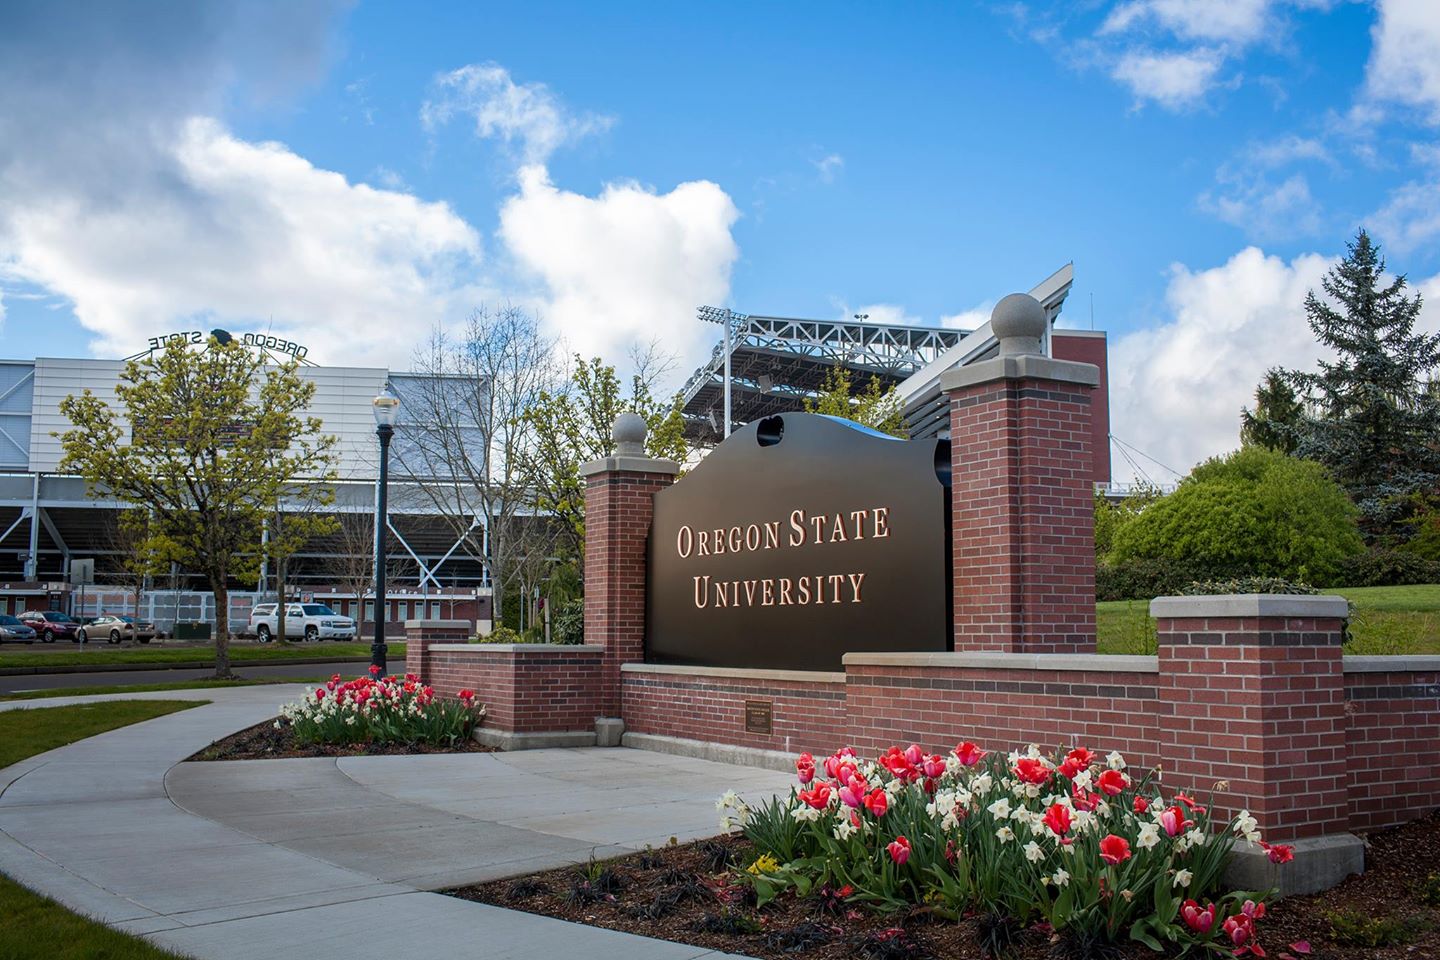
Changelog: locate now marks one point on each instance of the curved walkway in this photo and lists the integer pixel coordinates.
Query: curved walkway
(325, 858)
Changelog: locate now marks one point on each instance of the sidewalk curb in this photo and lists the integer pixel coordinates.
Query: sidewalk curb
(170, 665)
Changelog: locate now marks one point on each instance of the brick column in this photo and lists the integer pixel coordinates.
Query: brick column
(419, 634)
(1252, 693)
(619, 503)
(1023, 515)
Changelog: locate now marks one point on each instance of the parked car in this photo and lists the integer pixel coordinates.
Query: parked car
(116, 628)
(51, 624)
(12, 629)
(311, 621)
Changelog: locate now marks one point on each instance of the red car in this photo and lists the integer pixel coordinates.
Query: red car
(50, 624)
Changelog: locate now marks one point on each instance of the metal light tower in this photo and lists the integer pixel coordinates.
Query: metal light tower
(726, 318)
(385, 406)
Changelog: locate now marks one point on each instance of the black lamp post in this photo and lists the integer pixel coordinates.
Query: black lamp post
(385, 406)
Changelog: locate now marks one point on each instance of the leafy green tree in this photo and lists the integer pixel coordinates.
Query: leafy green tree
(1274, 422)
(207, 442)
(1372, 416)
(572, 425)
(291, 525)
(872, 405)
(1256, 512)
(1111, 517)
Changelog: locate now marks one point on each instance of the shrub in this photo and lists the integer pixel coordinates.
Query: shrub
(1254, 512)
(1144, 578)
(500, 634)
(1204, 588)
(567, 622)
(1075, 842)
(1383, 567)
(1358, 928)
(384, 710)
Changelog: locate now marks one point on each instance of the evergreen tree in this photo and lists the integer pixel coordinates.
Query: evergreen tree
(1372, 415)
(1277, 414)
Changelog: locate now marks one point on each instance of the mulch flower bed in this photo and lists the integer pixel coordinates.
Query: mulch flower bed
(264, 742)
(688, 893)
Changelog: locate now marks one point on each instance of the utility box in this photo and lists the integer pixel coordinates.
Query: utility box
(192, 630)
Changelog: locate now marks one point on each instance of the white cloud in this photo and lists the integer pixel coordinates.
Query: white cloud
(526, 116)
(1266, 211)
(1404, 62)
(1410, 216)
(829, 167)
(1287, 150)
(626, 267)
(255, 236)
(1173, 80)
(1233, 21)
(1176, 389)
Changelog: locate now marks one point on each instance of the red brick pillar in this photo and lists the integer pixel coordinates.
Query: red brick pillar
(419, 634)
(1023, 513)
(1252, 693)
(619, 502)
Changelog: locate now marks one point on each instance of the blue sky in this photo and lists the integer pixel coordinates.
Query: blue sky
(352, 176)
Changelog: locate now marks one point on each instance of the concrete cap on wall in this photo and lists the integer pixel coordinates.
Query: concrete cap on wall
(1018, 322)
(1229, 605)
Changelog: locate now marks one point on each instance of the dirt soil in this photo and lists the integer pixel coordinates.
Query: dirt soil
(685, 893)
(264, 742)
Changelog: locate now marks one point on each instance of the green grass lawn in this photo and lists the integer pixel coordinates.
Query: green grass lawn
(239, 654)
(1386, 620)
(151, 687)
(33, 927)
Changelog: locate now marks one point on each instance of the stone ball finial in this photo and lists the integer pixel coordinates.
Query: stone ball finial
(629, 435)
(1018, 321)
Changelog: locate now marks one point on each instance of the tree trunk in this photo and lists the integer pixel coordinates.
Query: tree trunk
(280, 635)
(221, 591)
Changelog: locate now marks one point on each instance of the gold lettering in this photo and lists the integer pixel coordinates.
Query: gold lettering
(734, 542)
(785, 599)
(797, 527)
(702, 592)
(802, 587)
(722, 594)
(819, 524)
(856, 579)
(767, 592)
(752, 537)
(750, 593)
(719, 542)
(772, 534)
(882, 522)
(838, 533)
(819, 589)
(859, 517)
(704, 548)
(684, 541)
(836, 579)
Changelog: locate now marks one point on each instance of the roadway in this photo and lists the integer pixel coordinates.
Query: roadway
(279, 671)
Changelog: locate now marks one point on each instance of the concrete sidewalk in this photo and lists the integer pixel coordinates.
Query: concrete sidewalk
(325, 858)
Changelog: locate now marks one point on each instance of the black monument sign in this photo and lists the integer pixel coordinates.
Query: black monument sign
(799, 539)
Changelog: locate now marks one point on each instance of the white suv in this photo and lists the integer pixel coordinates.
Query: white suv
(310, 621)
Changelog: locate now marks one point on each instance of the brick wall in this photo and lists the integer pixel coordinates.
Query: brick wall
(526, 688)
(1003, 702)
(1090, 346)
(1023, 516)
(709, 704)
(1392, 726)
(618, 508)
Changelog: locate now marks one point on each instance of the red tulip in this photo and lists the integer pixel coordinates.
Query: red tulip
(1112, 783)
(877, 802)
(805, 768)
(1114, 849)
(1240, 929)
(1196, 919)
(852, 794)
(1030, 770)
(1084, 799)
(818, 798)
(1174, 822)
(968, 754)
(899, 851)
(1070, 768)
(1141, 805)
(1278, 852)
(1085, 758)
(1189, 802)
(934, 766)
(374, 670)
(1058, 819)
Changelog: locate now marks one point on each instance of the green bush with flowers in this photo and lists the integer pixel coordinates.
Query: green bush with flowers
(381, 710)
(1074, 842)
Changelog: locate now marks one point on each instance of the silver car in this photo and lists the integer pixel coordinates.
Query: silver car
(114, 629)
(12, 629)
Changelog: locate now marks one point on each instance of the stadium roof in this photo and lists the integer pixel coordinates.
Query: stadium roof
(777, 362)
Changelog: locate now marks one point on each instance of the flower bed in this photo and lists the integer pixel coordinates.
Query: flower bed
(381, 710)
(1077, 843)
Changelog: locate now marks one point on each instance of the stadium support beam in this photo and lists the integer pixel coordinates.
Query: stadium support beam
(425, 572)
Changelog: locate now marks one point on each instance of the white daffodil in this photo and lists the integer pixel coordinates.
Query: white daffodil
(1005, 834)
(1197, 838)
(1115, 761)
(982, 784)
(1060, 878)
(1033, 853)
(1149, 836)
(1000, 809)
(1183, 878)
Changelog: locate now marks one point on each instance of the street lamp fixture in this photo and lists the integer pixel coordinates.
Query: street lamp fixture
(385, 407)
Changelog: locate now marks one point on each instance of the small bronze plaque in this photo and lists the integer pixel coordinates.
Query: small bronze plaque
(759, 716)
